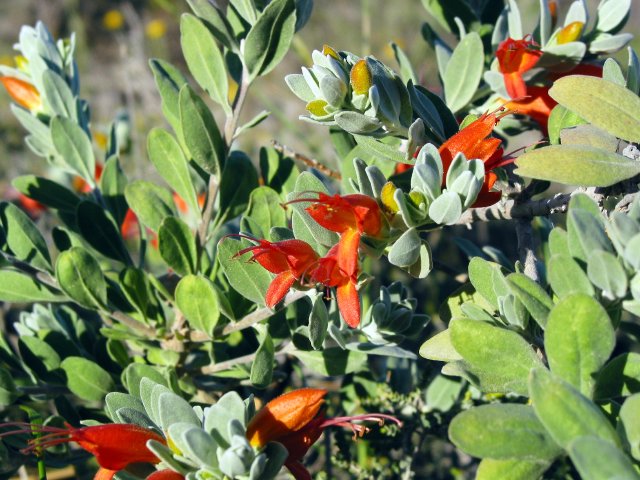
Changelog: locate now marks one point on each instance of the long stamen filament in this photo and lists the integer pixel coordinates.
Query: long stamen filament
(360, 430)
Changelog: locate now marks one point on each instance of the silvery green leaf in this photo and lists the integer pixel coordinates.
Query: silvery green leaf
(165, 454)
(406, 69)
(606, 273)
(585, 452)
(612, 72)
(376, 180)
(446, 209)
(426, 110)
(174, 409)
(176, 432)
(622, 229)
(633, 71)
(200, 447)
(586, 234)
(377, 148)
(398, 196)
(611, 13)
(443, 55)
(333, 90)
(205, 60)
(130, 415)
(276, 455)
(216, 21)
(237, 459)
(514, 20)
(57, 96)
(312, 81)
(426, 179)
(416, 138)
(567, 54)
(303, 12)
(364, 186)
(357, 123)
(318, 322)
(632, 252)
(298, 85)
(464, 72)
(74, 147)
(514, 311)
(634, 286)
(406, 250)
(577, 13)
(246, 9)
(429, 154)
(217, 417)
(606, 43)
(456, 168)
(545, 23)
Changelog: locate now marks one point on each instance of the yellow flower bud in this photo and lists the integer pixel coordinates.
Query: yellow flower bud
(361, 78)
(570, 33)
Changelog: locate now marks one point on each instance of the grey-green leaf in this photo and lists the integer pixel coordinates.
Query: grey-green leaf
(151, 203)
(587, 453)
(177, 245)
(204, 59)
(464, 72)
(576, 165)
(74, 147)
(80, 277)
(23, 238)
(250, 279)
(87, 379)
(197, 300)
(606, 105)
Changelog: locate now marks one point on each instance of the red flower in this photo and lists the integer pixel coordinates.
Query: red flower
(165, 475)
(114, 445)
(340, 213)
(514, 58)
(339, 269)
(23, 93)
(80, 185)
(33, 207)
(290, 260)
(291, 419)
(474, 141)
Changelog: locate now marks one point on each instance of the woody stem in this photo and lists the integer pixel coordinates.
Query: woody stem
(227, 364)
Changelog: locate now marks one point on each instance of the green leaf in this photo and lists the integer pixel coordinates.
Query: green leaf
(502, 359)
(18, 287)
(172, 408)
(47, 192)
(629, 414)
(200, 131)
(74, 147)
(587, 453)
(559, 119)
(151, 203)
(87, 379)
(264, 212)
(100, 231)
(269, 39)
(318, 322)
(606, 105)
(578, 340)
(80, 277)
(200, 447)
(204, 60)
(490, 469)
(250, 279)
(216, 21)
(502, 432)
(112, 184)
(576, 165)
(262, 366)
(23, 238)
(440, 348)
(197, 300)
(166, 155)
(376, 148)
(464, 72)
(532, 295)
(446, 209)
(136, 287)
(566, 277)
(406, 250)
(177, 245)
(40, 358)
(620, 377)
(565, 413)
(169, 81)
(445, 12)
(135, 372)
(585, 233)
(591, 136)
(332, 361)
(234, 195)
(606, 273)
(488, 280)
(443, 393)
(8, 393)
(58, 96)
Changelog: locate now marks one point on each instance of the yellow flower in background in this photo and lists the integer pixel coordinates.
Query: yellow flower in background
(22, 63)
(156, 29)
(113, 20)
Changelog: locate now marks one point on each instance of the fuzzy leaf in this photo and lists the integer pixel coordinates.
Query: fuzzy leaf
(197, 300)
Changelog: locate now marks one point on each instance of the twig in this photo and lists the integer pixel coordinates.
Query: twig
(249, 320)
(526, 248)
(510, 209)
(227, 364)
(309, 162)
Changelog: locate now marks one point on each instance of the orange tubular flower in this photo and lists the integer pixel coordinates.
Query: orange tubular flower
(114, 445)
(292, 420)
(339, 269)
(340, 213)
(33, 207)
(165, 475)
(474, 142)
(514, 58)
(290, 260)
(23, 93)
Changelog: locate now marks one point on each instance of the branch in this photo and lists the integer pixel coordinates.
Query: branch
(511, 210)
(227, 364)
(309, 162)
(249, 320)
